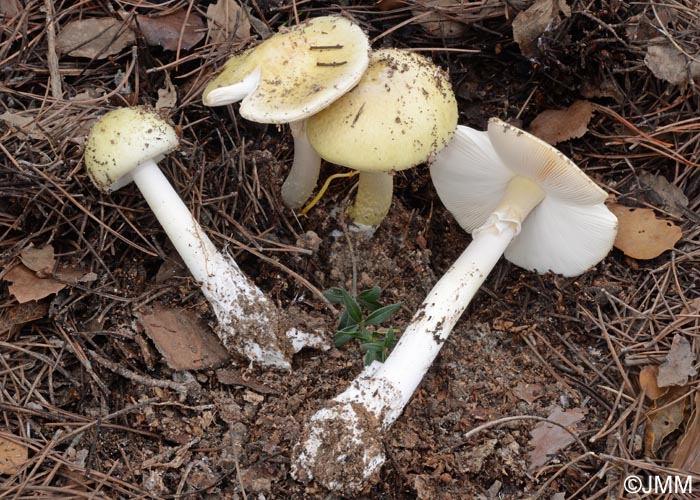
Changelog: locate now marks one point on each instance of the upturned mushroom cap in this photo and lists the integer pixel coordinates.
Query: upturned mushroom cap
(567, 233)
(401, 112)
(123, 139)
(294, 73)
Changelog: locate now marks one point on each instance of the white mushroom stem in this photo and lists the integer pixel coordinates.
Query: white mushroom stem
(431, 325)
(303, 176)
(248, 321)
(373, 199)
(383, 390)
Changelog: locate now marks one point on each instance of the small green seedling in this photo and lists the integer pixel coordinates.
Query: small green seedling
(377, 342)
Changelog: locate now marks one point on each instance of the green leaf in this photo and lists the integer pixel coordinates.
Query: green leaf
(370, 357)
(334, 295)
(351, 306)
(382, 314)
(370, 298)
(345, 321)
(371, 294)
(349, 329)
(341, 338)
(371, 346)
(390, 340)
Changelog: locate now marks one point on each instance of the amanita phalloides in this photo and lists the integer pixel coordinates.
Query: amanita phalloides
(514, 193)
(123, 146)
(289, 77)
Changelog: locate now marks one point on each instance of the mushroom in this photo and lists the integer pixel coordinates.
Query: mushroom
(289, 77)
(402, 111)
(123, 146)
(490, 181)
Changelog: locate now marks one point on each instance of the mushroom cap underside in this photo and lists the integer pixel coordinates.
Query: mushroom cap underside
(124, 138)
(531, 157)
(401, 112)
(301, 71)
(567, 233)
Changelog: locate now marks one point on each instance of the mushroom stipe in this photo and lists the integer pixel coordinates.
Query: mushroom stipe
(122, 147)
(509, 189)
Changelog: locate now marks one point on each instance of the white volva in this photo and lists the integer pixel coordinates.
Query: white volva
(507, 188)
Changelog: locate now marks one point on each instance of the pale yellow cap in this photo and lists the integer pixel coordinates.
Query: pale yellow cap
(121, 140)
(294, 73)
(401, 112)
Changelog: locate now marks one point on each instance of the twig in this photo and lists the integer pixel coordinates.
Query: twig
(51, 56)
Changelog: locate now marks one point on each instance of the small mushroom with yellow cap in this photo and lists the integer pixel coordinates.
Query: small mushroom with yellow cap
(123, 146)
(289, 77)
(402, 111)
(514, 193)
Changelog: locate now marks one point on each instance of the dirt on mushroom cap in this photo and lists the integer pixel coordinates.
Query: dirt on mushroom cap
(402, 110)
(302, 70)
(122, 139)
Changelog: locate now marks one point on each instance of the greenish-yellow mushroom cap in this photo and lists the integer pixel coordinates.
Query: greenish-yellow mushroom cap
(123, 139)
(294, 73)
(402, 110)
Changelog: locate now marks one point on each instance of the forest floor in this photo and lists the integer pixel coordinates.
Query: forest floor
(91, 404)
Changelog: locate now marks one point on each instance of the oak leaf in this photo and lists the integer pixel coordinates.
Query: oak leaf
(641, 235)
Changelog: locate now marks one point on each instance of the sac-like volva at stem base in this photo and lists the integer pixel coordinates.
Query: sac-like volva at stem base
(248, 323)
(377, 397)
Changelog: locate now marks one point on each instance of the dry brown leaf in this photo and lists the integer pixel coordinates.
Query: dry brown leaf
(668, 63)
(548, 439)
(663, 419)
(528, 392)
(38, 123)
(39, 260)
(692, 308)
(436, 23)
(27, 286)
(183, 338)
(661, 192)
(21, 314)
(88, 95)
(679, 364)
(602, 88)
(97, 37)
(10, 8)
(227, 21)
(686, 457)
(648, 383)
(12, 455)
(167, 96)
(25, 124)
(529, 24)
(641, 235)
(34, 284)
(558, 125)
(167, 31)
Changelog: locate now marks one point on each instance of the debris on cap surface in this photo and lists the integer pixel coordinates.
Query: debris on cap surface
(302, 70)
(124, 138)
(401, 112)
